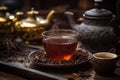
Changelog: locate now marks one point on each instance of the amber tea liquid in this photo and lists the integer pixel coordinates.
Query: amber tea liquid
(60, 48)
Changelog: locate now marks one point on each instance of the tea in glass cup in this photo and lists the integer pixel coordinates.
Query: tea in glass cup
(60, 44)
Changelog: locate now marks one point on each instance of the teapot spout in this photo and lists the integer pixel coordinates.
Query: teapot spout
(49, 16)
(70, 18)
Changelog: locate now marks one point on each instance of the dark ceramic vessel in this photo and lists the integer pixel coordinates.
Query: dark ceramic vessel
(97, 32)
(103, 65)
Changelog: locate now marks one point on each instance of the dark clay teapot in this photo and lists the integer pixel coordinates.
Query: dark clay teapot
(96, 31)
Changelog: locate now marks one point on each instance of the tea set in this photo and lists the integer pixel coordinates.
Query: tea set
(98, 33)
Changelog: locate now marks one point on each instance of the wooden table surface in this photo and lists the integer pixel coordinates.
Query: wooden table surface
(94, 76)
(7, 76)
(91, 72)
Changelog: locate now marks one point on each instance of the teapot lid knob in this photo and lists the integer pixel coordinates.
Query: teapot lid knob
(19, 13)
(98, 0)
(98, 4)
(32, 12)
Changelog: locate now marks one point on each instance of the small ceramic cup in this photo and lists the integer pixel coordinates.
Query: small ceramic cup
(104, 62)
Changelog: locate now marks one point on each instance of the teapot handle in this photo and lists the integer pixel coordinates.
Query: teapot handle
(112, 50)
(116, 25)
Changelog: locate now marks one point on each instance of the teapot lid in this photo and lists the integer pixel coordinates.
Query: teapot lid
(98, 12)
(3, 7)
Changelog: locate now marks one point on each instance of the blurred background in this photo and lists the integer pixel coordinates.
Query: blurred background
(78, 7)
(61, 5)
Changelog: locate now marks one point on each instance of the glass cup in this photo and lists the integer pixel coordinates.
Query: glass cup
(60, 44)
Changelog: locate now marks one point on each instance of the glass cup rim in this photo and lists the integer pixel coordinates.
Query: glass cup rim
(64, 30)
